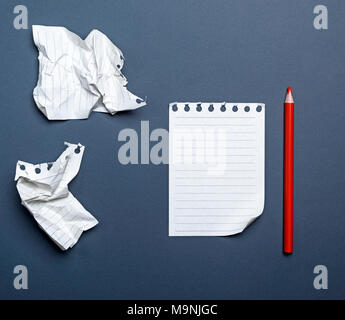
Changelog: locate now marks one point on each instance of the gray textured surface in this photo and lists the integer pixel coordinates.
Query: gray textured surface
(176, 51)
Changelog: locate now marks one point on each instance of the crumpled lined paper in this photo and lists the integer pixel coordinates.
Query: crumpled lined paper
(79, 76)
(43, 189)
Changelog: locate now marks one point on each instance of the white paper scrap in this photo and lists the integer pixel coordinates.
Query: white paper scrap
(216, 167)
(43, 189)
(79, 76)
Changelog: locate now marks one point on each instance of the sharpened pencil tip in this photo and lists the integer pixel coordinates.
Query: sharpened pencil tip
(289, 98)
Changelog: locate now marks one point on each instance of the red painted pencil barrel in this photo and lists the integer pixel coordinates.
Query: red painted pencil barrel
(288, 176)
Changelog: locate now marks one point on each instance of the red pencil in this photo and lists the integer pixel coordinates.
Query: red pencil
(288, 171)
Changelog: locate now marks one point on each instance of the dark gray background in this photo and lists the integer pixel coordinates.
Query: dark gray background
(207, 50)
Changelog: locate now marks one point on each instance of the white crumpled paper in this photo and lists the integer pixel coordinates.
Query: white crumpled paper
(79, 76)
(43, 189)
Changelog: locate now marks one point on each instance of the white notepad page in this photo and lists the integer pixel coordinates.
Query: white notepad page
(216, 167)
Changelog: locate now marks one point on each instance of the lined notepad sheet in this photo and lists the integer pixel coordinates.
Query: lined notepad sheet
(216, 167)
